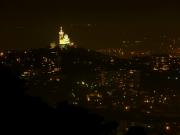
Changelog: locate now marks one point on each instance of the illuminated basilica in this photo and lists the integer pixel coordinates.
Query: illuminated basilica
(64, 41)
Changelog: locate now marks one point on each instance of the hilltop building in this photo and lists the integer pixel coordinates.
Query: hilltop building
(63, 41)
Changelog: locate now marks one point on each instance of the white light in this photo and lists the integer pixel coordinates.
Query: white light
(1, 54)
(127, 107)
(148, 112)
(131, 71)
(167, 127)
(57, 79)
(88, 99)
(83, 82)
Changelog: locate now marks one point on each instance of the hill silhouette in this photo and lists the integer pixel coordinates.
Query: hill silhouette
(24, 113)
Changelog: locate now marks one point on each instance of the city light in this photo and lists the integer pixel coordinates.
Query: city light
(120, 81)
(168, 128)
(1, 54)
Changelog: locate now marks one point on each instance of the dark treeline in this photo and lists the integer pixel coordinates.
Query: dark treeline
(24, 113)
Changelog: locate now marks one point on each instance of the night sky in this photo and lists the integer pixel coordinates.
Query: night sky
(34, 24)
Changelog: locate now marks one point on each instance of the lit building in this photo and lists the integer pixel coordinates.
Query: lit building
(161, 63)
(63, 41)
(120, 52)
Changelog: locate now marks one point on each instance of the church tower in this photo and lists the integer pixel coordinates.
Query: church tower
(64, 39)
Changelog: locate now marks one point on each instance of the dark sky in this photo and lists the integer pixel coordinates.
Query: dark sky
(33, 24)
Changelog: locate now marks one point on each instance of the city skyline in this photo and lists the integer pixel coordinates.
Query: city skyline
(106, 67)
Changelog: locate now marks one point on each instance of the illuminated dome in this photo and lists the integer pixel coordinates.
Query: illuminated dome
(66, 39)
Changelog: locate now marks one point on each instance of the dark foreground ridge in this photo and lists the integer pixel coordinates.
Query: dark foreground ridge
(23, 113)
